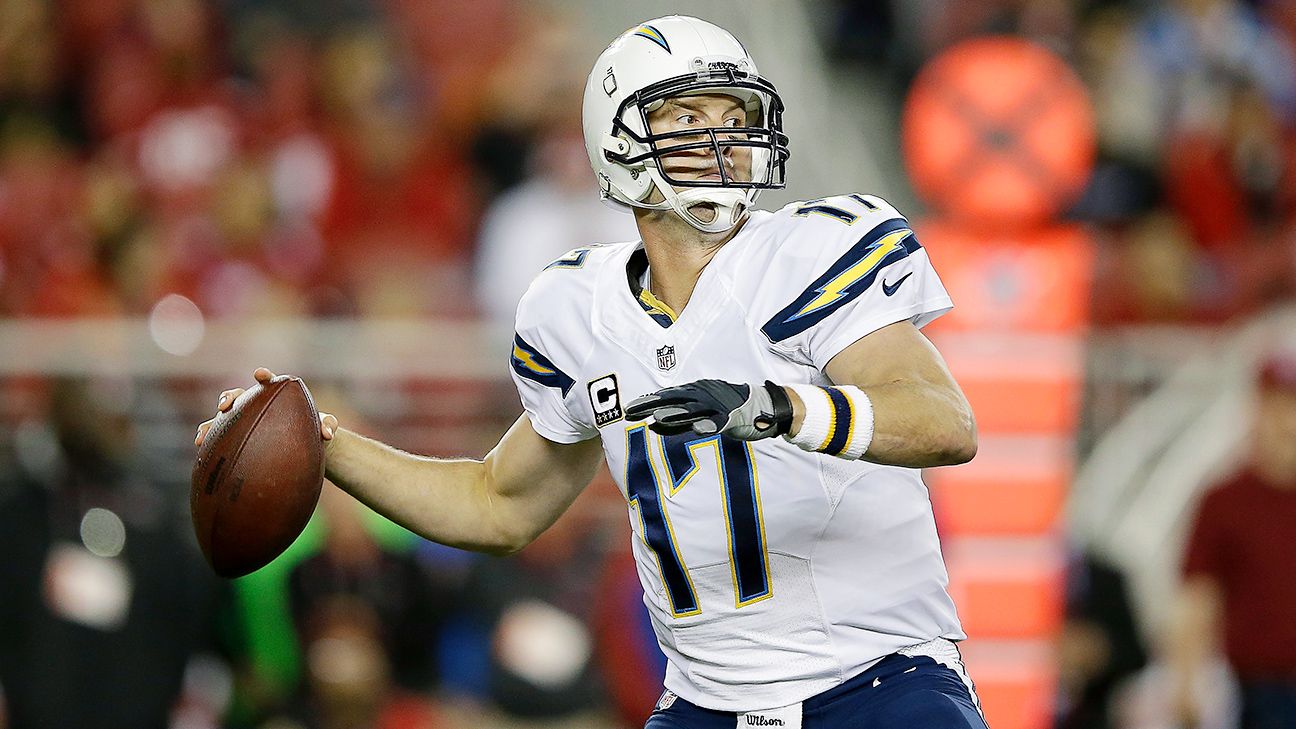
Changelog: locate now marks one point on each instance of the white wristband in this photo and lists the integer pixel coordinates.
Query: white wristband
(817, 423)
(838, 420)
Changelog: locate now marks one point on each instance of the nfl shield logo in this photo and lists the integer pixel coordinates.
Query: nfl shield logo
(666, 357)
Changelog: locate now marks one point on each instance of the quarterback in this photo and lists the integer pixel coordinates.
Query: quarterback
(759, 387)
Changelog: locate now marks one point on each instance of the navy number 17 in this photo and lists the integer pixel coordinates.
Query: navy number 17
(748, 556)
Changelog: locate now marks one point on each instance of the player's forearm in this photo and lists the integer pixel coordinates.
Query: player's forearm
(446, 501)
(915, 424)
(920, 426)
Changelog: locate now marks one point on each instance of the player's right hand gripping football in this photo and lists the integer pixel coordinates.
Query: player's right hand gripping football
(708, 407)
(328, 423)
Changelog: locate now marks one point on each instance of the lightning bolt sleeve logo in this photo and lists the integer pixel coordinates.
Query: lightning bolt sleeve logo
(848, 277)
(529, 364)
(837, 288)
(527, 359)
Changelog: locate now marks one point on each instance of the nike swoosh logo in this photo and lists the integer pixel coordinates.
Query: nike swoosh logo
(877, 682)
(890, 288)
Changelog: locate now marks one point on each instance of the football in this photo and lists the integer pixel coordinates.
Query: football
(257, 477)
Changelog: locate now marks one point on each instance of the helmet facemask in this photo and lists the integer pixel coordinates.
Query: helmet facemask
(747, 158)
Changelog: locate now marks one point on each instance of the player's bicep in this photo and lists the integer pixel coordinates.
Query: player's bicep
(895, 353)
(531, 480)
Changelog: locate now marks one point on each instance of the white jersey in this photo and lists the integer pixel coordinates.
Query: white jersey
(771, 573)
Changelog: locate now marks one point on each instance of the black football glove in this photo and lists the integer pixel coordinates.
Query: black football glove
(707, 407)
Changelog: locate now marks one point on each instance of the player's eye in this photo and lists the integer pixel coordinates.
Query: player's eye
(686, 119)
(733, 121)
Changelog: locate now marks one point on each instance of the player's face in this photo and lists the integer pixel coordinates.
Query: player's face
(702, 112)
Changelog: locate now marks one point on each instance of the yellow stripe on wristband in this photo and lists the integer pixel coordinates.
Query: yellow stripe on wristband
(832, 421)
(842, 422)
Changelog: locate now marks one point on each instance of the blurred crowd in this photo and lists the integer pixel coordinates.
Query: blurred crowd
(340, 158)
(1194, 193)
(111, 619)
(369, 158)
(284, 158)
(276, 158)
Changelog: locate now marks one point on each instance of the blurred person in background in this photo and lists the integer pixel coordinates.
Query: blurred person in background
(1099, 646)
(1238, 592)
(522, 647)
(555, 210)
(554, 206)
(533, 616)
(104, 598)
(349, 678)
(410, 602)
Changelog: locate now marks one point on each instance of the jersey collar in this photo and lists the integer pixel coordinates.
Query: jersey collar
(636, 274)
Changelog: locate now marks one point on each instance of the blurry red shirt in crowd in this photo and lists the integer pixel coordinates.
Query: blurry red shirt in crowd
(1201, 186)
(1243, 537)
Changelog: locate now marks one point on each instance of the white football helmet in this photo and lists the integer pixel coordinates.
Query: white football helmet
(671, 57)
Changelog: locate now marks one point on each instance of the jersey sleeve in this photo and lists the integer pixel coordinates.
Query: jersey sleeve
(548, 347)
(850, 265)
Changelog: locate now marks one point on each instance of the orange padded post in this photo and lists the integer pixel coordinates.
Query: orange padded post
(999, 139)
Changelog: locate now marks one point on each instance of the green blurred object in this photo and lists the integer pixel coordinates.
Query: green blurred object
(269, 635)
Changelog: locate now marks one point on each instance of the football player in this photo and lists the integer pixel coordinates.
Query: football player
(759, 387)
